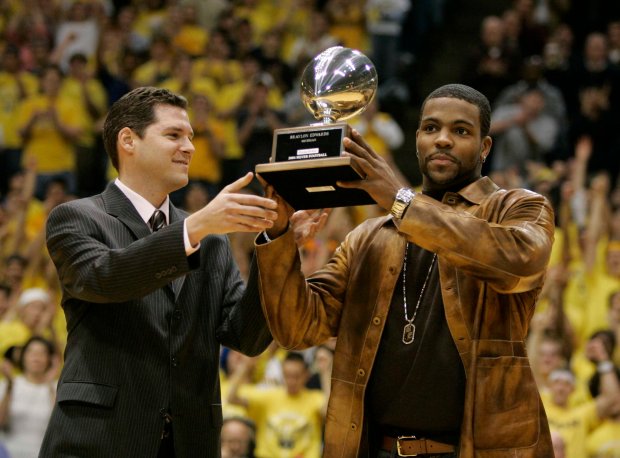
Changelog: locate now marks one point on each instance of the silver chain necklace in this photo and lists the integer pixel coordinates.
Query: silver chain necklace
(409, 329)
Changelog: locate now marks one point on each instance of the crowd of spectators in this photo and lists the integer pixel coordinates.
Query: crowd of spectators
(555, 91)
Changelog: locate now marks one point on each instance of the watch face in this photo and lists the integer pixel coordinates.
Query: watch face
(403, 198)
(404, 195)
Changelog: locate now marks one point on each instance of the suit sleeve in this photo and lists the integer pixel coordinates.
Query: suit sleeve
(79, 241)
(243, 327)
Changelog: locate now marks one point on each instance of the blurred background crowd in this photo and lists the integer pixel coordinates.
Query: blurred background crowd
(551, 69)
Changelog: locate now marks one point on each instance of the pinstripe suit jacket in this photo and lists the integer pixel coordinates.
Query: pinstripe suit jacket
(134, 348)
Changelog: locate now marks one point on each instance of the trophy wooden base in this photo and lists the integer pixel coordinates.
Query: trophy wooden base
(311, 184)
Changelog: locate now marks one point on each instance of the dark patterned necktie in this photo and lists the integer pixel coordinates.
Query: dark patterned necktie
(157, 221)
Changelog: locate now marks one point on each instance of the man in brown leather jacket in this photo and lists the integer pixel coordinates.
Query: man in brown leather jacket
(430, 304)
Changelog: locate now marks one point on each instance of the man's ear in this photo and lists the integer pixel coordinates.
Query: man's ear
(485, 148)
(126, 139)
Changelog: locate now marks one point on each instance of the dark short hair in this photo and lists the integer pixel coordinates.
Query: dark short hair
(6, 288)
(49, 346)
(16, 257)
(11, 50)
(296, 357)
(52, 68)
(59, 180)
(78, 57)
(468, 94)
(11, 354)
(135, 110)
(608, 337)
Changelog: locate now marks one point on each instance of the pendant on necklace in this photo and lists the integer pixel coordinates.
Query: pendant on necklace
(408, 333)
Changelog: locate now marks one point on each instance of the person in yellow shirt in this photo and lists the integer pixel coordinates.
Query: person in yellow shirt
(150, 16)
(191, 36)
(260, 16)
(13, 272)
(233, 95)
(35, 311)
(186, 82)
(23, 214)
(604, 441)
(546, 353)
(289, 418)
(256, 122)
(15, 86)
(231, 360)
(242, 372)
(348, 23)
(50, 124)
(217, 62)
(575, 424)
(158, 67)
(583, 363)
(294, 21)
(269, 54)
(601, 282)
(317, 39)
(601, 242)
(89, 93)
(614, 321)
(231, 99)
(209, 141)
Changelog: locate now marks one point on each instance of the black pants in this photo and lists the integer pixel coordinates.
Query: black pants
(166, 448)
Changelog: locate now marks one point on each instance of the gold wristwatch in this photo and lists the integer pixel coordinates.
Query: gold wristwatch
(402, 201)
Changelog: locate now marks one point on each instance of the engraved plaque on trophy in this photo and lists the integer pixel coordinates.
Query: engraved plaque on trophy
(306, 162)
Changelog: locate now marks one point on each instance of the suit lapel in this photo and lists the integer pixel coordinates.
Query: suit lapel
(119, 206)
(176, 215)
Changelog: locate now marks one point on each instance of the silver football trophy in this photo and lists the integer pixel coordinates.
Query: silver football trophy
(306, 162)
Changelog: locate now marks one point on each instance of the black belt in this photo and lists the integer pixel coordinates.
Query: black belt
(411, 446)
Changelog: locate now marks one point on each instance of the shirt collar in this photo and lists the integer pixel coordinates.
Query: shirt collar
(477, 191)
(143, 206)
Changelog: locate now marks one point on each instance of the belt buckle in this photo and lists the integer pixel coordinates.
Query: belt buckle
(398, 444)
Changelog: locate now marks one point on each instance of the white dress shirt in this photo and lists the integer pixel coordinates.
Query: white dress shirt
(145, 209)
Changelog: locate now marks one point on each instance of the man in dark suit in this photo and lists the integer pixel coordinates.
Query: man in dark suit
(147, 306)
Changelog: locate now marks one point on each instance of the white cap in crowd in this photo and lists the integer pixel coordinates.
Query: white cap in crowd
(33, 295)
